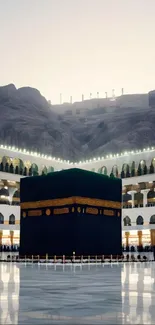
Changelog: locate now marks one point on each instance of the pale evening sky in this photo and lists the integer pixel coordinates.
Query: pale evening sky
(78, 46)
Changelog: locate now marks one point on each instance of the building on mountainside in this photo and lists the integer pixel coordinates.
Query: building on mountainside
(136, 168)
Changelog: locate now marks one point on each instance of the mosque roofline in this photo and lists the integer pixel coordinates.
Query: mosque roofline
(81, 162)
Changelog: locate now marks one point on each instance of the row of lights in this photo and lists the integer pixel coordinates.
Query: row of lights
(34, 154)
(111, 156)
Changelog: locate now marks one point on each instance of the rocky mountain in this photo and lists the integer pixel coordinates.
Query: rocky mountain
(29, 121)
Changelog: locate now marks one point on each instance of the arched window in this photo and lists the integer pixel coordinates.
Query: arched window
(103, 170)
(16, 198)
(125, 171)
(151, 197)
(127, 200)
(12, 219)
(133, 170)
(152, 219)
(143, 167)
(115, 170)
(138, 199)
(1, 218)
(140, 220)
(34, 169)
(44, 170)
(51, 169)
(127, 221)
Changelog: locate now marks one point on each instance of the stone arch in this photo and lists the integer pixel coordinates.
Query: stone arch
(27, 164)
(51, 169)
(115, 170)
(126, 199)
(6, 159)
(138, 199)
(143, 167)
(151, 196)
(152, 219)
(18, 162)
(153, 162)
(127, 221)
(34, 169)
(152, 166)
(1, 219)
(4, 192)
(139, 221)
(12, 219)
(133, 169)
(44, 170)
(125, 171)
(103, 170)
(16, 198)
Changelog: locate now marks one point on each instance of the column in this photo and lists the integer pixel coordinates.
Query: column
(127, 235)
(132, 193)
(11, 236)
(145, 192)
(140, 236)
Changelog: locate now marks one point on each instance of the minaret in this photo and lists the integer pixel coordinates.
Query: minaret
(70, 99)
(82, 97)
(122, 91)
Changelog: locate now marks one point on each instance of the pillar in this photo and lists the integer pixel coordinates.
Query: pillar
(11, 236)
(132, 193)
(1, 236)
(145, 192)
(127, 235)
(140, 236)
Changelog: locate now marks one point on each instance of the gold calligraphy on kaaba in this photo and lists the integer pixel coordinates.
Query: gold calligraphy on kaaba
(33, 213)
(70, 201)
(92, 210)
(109, 212)
(61, 211)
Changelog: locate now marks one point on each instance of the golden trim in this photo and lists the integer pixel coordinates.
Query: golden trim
(61, 211)
(6, 222)
(70, 201)
(109, 212)
(48, 212)
(33, 213)
(17, 222)
(92, 210)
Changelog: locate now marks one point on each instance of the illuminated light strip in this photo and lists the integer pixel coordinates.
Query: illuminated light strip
(70, 201)
(46, 157)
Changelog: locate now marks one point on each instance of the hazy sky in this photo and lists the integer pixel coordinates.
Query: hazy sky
(78, 46)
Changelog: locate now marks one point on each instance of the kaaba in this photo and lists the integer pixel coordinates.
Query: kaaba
(71, 211)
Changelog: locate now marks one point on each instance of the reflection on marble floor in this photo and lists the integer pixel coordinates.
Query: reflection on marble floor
(70, 294)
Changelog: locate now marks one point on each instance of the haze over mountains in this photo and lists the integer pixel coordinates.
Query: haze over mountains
(99, 126)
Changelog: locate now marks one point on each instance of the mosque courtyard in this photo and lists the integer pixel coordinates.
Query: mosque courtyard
(77, 294)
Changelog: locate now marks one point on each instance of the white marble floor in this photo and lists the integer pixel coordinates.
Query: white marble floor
(88, 294)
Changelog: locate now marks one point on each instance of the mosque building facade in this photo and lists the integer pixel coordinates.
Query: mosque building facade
(136, 168)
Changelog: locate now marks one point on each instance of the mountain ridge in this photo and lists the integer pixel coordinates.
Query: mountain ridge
(29, 121)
